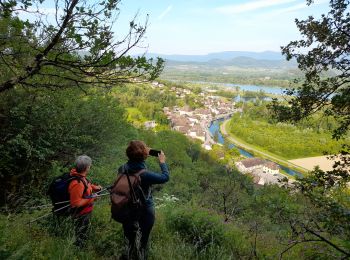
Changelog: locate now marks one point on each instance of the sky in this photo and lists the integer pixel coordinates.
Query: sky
(206, 26)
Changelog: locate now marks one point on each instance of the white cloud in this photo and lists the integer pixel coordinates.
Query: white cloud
(165, 12)
(251, 6)
(294, 8)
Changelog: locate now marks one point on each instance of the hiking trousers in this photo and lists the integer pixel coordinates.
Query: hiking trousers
(137, 234)
(82, 227)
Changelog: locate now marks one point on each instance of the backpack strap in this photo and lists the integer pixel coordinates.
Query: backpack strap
(137, 174)
(80, 179)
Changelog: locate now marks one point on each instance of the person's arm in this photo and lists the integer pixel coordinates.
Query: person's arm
(156, 178)
(76, 190)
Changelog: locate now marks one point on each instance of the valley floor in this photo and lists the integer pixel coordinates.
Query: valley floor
(270, 156)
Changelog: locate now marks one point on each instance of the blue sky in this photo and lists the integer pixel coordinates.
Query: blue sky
(203, 26)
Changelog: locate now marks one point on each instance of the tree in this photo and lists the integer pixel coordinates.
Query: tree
(74, 46)
(45, 130)
(227, 191)
(324, 56)
(326, 42)
(193, 151)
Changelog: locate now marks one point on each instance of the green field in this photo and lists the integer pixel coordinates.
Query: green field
(285, 140)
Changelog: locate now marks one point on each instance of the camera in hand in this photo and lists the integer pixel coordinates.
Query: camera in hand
(153, 152)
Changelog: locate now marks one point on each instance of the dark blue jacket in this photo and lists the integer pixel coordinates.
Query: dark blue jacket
(147, 178)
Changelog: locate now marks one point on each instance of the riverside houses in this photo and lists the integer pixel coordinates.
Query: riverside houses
(194, 123)
(251, 164)
(263, 171)
(271, 167)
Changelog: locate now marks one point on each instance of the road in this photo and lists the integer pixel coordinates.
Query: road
(223, 129)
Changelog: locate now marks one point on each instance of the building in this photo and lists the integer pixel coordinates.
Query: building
(150, 124)
(270, 167)
(250, 164)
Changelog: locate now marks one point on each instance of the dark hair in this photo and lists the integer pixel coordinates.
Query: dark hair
(137, 151)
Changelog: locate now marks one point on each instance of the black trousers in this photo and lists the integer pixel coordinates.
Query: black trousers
(137, 234)
(82, 227)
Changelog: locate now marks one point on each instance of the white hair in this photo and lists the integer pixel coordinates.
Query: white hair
(82, 163)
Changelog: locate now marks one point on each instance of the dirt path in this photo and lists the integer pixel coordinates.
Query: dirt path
(223, 129)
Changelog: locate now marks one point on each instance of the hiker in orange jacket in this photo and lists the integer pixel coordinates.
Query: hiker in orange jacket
(81, 198)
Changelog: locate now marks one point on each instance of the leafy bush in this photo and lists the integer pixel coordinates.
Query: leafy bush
(205, 230)
(42, 128)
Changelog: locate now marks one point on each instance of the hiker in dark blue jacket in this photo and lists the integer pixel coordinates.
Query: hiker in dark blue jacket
(137, 152)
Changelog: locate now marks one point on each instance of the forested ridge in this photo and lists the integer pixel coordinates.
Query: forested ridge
(56, 103)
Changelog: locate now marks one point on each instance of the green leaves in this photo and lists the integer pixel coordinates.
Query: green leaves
(44, 127)
(326, 42)
(77, 47)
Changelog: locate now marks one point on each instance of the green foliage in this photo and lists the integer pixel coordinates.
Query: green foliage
(253, 94)
(226, 93)
(249, 76)
(145, 103)
(200, 228)
(194, 151)
(286, 140)
(326, 41)
(40, 128)
(205, 231)
(219, 213)
(80, 46)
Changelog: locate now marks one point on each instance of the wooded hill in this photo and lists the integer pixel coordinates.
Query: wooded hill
(206, 211)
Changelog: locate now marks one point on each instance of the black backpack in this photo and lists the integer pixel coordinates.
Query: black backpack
(59, 195)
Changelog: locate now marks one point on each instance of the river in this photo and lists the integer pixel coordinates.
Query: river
(215, 127)
(255, 88)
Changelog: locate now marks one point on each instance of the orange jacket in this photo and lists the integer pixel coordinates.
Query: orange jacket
(76, 193)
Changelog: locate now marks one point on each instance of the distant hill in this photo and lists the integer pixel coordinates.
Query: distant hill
(242, 59)
(226, 55)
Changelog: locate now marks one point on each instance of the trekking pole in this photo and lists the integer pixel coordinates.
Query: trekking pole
(40, 207)
(107, 188)
(61, 202)
(98, 193)
(101, 195)
(48, 214)
(48, 205)
(95, 195)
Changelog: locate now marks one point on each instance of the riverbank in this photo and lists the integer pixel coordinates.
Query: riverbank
(256, 151)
